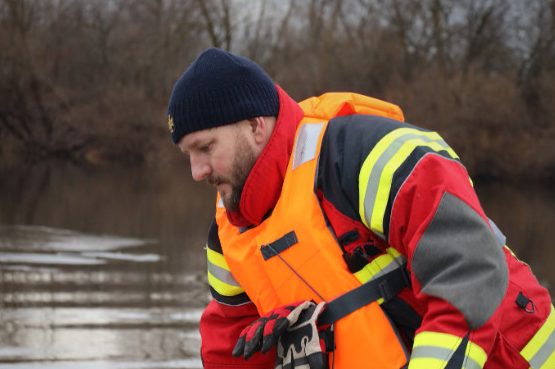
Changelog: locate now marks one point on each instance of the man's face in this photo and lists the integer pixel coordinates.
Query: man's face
(222, 156)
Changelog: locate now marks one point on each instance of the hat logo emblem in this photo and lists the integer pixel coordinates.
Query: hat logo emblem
(171, 126)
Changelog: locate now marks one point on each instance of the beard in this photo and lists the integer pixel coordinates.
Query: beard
(242, 164)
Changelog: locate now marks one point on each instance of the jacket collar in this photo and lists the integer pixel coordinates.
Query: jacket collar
(263, 185)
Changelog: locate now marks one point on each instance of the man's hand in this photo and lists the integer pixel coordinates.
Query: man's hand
(299, 346)
(262, 334)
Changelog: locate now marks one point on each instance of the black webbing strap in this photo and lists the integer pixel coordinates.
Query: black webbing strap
(279, 245)
(386, 286)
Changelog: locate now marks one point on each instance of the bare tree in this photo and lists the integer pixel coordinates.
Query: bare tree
(90, 79)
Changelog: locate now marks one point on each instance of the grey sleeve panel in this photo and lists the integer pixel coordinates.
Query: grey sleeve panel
(459, 259)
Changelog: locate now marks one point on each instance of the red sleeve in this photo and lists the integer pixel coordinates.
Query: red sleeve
(457, 265)
(220, 326)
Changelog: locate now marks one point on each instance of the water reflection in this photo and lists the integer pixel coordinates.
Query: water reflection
(101, 269)
(105, 268)
(72, 314)
(28, 238)
(88, 334)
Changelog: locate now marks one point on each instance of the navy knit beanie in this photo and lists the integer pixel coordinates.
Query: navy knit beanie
(219, 88)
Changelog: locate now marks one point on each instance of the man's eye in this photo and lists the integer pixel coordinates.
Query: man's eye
(206, 148)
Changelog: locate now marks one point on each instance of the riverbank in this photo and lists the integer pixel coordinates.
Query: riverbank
(488, 156)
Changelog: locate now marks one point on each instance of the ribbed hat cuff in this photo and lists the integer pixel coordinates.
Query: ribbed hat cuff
(223, 106)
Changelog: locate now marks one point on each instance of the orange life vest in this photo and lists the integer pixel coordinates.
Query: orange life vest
(309, 262)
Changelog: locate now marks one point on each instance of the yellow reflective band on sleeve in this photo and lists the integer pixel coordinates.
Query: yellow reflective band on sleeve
(219, 275)
(223, 288)
(475, 356)
(434, 350)
(393, 252)
(216, 258)
(374, 267)
(540, 350)
(381, 265)
(376, 174)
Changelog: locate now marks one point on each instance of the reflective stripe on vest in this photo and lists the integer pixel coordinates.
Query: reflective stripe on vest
(362, 337)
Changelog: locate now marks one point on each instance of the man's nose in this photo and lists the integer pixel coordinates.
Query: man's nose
(200, 169)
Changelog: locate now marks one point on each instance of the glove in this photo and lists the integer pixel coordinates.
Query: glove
(262, 334)
(299, 346)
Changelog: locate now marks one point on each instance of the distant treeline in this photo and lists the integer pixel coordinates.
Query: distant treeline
(89, 80)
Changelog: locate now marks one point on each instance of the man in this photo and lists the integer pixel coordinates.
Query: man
(344, 236)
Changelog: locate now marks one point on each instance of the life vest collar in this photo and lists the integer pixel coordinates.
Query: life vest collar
(263, 184)
(336, 104)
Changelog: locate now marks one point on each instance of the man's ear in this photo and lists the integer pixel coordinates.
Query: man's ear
(259, 128)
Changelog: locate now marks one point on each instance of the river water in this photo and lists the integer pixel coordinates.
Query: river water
(105, 268)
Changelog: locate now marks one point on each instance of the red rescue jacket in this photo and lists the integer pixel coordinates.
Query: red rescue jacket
(392, 193)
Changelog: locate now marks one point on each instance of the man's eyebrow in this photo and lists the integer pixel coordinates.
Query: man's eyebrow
(184, 150)
(193, 145)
